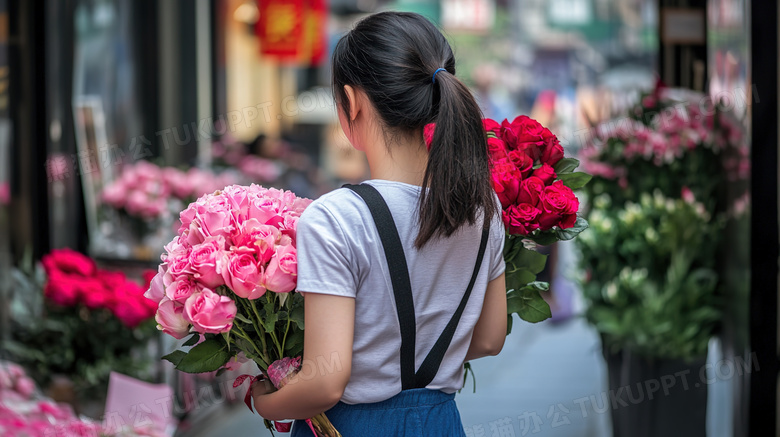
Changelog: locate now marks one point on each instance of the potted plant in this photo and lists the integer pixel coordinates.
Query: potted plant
(657, 211)
(72, 324)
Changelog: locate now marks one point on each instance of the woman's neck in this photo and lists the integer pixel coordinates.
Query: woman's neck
(405, 160)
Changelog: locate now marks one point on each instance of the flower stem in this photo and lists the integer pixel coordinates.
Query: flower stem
(241, 333)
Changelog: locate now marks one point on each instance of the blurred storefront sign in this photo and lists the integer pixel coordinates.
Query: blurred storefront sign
(468, 15)
(570, 12)
(682, 26)
(293, 31)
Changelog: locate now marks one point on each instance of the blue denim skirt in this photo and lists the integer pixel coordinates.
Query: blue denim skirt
(418, 412)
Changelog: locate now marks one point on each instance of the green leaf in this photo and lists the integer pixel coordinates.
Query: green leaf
(175, 357)
(508, 324)
(531, 260)
(293, 339)
(518, 279)
(528, 303)
(544, 238)
(192, 340)
(205, 357)
(243, 318)
(269, 324)
(575, 180)
(565, 165)
(296, 315)
(567, 234)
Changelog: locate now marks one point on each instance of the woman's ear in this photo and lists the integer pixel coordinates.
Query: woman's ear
(354, 105)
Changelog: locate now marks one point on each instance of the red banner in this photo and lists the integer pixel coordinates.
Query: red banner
(293, 31)
(280, 28)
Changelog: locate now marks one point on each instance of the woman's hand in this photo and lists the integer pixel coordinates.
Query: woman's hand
(259, 391)
(326, 364)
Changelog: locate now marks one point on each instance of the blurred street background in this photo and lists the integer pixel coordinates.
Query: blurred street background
(116, 114)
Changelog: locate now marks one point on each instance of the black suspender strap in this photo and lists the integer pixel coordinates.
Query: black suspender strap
(430, 365)
(402, 291)
(399, 276)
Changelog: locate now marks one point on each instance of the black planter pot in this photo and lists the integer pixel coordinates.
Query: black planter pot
(652, 397)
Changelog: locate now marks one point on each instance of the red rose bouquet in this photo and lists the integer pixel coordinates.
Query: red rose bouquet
(534, 182)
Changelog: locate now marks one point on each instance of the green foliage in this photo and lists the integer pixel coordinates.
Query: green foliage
(651, 279)
(264, 329)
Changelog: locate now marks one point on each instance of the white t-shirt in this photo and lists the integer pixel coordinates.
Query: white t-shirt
(340, 253)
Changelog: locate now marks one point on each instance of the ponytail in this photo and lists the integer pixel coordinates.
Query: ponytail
(458, 172)
(392, 57)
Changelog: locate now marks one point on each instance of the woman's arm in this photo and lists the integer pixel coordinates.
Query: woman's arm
(490, 330)
(327, 362)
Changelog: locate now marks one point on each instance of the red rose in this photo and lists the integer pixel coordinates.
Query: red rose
(506, 181)
(95, 294)
(68, 261)
(63, 289)
(521, 219)
(545, 173)
(552, 151)
(522, 129)
(559, 206)
(496, 149)
(491, 125)
(147, 276)
(130, 305)
(530, 191)
(428, 134)
(522, 161)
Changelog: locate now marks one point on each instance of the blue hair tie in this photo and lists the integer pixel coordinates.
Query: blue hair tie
(434, 73)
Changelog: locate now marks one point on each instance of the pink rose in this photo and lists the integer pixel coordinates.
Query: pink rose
(114, 194)
(210, 312)
(177, 181)
(177, 266)
(262, 238)
(156, 290)
(170, 319)
(204, 258)
(242, 274)
(281, 274)
(215, 223)
(25, 387)
(261, 209)
(545, 173)
(181, 289)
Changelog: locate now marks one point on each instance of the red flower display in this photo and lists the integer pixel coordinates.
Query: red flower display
(74, 279)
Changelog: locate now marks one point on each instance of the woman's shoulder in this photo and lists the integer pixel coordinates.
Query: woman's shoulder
(340, 205)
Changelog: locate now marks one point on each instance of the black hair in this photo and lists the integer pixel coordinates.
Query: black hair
(391, 57)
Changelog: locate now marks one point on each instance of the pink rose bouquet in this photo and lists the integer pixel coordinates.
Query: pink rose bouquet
(228, 280)
(534, 182)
